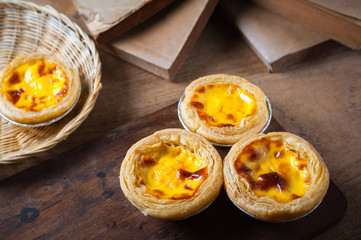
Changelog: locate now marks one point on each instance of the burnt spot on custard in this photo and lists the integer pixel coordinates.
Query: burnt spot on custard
(41, 69)
(183, 174)
(197, 105)
(271, 180)
(15, 95)
(201, 90)
(15, 78)
(147, 161)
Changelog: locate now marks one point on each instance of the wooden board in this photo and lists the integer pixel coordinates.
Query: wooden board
(341, 28)
(277, 41)
(350, 8)
(77, 195)
(161, 44)
(107, 19)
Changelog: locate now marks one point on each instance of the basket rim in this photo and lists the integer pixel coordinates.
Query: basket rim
(74, 123)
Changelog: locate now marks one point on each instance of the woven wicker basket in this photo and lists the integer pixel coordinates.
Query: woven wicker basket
(28, 28)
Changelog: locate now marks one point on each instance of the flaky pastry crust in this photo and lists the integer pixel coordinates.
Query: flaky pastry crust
(266, 208)
(170, 208)
(226, 135)
(46, 114)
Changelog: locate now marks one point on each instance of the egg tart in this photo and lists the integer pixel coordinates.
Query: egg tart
(37, 88)
(172, 174)
(224, 108)
(275, 177)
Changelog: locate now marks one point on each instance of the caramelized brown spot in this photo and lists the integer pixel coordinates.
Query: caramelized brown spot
(264, 147)
(147, 161)
(34, 104)
(195, 96)
(271, 180)
(294, 196)
(15, 78)
(278, 143)
(33, 107)
(210, 86)
(244, 171)
(201, 90)
(183, 174)
(253, 154)
(210, 118)
(41, 69)
(205, 117)
(188, 187)
(241, 167)
(230, 117)
(15, 95)
(197, 105)
(301, 167)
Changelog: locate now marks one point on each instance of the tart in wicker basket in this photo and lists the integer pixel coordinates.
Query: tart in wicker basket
(28, 28)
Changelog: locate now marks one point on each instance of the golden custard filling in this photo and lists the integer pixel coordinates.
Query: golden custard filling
(223, 104)
(273, 170)
(36, 85)
(172, 172)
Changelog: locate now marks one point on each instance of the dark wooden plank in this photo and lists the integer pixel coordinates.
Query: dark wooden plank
(341, 28)
(277, 41)
(77, 195)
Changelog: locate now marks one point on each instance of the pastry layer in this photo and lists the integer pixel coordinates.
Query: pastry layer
(171, 174)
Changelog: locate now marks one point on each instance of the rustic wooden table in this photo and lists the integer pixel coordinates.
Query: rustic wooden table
(319, 100)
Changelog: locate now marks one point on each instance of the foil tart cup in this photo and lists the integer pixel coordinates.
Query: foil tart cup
(269, 107)
(281, 221)
(44, 123)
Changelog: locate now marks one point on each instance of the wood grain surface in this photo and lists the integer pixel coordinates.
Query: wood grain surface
(341, 28)
(79, 193)
(320, 100)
